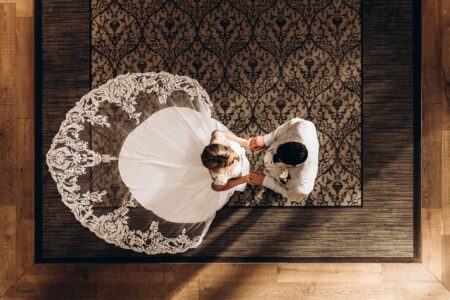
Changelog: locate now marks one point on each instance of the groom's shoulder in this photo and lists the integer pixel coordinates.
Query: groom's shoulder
(299, 122)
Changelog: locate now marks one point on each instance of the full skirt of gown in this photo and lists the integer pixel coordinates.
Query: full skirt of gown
(160, 164)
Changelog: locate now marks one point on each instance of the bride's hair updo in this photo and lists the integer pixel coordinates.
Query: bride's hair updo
(216, 156)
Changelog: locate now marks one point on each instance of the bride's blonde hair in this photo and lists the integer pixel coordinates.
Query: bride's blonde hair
(216, 156)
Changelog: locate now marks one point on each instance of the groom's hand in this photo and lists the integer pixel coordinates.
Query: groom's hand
(256, 178)
(256, 143)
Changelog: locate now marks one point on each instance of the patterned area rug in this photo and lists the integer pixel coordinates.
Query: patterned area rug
(261, 62)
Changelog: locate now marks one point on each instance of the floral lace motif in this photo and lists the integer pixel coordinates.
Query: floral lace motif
(69, 157)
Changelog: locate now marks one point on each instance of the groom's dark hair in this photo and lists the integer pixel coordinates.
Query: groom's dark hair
(292, 153)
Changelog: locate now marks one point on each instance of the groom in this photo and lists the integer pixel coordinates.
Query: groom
(291, 159)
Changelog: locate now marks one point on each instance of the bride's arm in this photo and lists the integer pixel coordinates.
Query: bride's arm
(230, 184)
(243, 142)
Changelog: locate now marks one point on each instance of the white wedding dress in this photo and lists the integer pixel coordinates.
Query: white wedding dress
(160, 164)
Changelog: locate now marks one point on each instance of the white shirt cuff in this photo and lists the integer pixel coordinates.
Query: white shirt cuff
(268, 139)
(266, 181)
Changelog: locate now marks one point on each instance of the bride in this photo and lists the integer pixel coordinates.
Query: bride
(179, 164)
(226, 161)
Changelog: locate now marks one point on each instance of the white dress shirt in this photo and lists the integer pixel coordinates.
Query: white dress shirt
(302, 177)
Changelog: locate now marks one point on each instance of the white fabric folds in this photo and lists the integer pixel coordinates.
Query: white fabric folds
(160, 163)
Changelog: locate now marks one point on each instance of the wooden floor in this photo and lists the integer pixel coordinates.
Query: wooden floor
(20, 278)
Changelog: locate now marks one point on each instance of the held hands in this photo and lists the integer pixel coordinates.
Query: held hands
(256, 143)
(255, 178)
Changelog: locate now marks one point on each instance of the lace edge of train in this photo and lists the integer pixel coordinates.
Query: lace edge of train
(69, 157)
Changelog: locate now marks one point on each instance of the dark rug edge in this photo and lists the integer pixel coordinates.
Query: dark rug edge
(416, 166)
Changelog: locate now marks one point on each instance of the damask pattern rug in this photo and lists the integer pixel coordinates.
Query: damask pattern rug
(261, 62)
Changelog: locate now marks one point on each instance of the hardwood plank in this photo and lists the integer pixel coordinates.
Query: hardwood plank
(47, 270)
(445, 53)
(24, 245)
(105, 281)
(330, 272)
(445, 60)
(8, 160)
(7, 53)
(431, 156)
(24, 164)
(446, 111)
(166, 272)
(25, 67)
(7, 247)
(96, 281)
(444, 21)
(7, 96)
(445, 173)
(24, 8)
(431, 239)
(225, 272)
(446, 261)
(354, 290)
(426, 291)
(432, 75)
(444, 8)
(247, 290)
(114, 290)
(24, 289)
(393, 272)
(66, 290)
(167, 276)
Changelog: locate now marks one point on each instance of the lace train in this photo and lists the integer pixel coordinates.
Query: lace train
(69, 157)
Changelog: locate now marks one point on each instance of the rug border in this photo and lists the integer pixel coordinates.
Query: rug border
(37, 131)
(38, 257)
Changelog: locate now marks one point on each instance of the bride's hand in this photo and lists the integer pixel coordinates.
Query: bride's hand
(256, 178)
(247, 178)
(256, 143)
(247, 144)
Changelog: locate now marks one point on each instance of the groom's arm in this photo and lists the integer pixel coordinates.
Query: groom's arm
(275, 186)
(272, 136)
